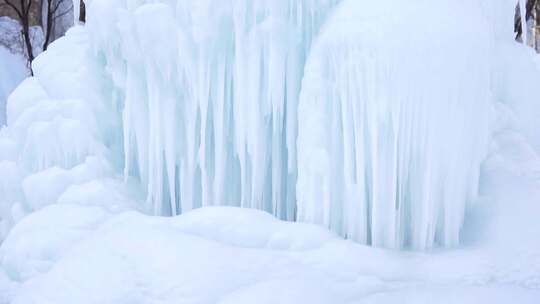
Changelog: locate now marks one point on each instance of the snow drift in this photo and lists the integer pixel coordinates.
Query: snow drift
(83, 254)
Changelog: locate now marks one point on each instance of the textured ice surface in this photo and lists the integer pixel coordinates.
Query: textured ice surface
(61, 136)
(393, 122)
(391, 129)
(208, 115)
(198, 101)
(210, 92)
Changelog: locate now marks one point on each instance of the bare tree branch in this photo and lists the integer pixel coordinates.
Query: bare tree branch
(64, 13)
(14, 8)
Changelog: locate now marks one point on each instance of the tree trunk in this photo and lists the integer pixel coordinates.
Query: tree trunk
(49, 23)
(82, 12)
(28, 43)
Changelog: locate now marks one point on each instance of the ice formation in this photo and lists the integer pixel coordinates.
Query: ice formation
(305, 109)
(233, 255)
(393, 122)
(212, 102)
(61, 134)
(210, 95)
(210, 92)
(387, 155)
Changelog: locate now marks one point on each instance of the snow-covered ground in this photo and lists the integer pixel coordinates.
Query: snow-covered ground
(83, 254)
(109, 133)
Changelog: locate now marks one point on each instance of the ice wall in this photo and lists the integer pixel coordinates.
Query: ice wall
(379, 137)
(210, 92)
(393, 121)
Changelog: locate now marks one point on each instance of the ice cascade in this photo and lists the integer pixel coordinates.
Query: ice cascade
(210, 92)
(393, 122)
(313, 110)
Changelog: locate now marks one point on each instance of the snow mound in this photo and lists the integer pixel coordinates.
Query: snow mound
(41, 238)
(264, 232)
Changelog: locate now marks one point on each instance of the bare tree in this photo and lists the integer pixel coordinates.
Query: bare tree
(532, 13)
(53, 10)
(82, 12)
(22, 9)
(26, 11)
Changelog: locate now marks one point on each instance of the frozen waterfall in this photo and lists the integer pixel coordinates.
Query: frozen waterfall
(389, 149)
(245, 103)
(210, 92)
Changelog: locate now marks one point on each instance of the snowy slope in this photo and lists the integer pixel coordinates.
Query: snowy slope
(120, 111)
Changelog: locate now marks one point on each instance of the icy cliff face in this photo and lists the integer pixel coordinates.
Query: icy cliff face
(210, 92)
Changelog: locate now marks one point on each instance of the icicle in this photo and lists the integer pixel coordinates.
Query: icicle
(211, 97)
(221, 109)
(388, 149)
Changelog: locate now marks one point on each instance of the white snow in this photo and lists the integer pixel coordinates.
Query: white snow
(232, 255)
(161, 107)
